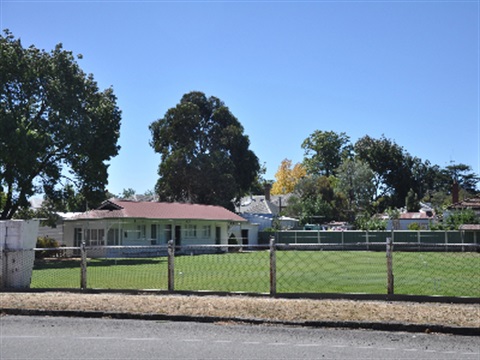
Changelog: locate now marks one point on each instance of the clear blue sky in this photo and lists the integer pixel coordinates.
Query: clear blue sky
(405, 69)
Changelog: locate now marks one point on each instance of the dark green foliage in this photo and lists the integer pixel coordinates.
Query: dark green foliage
(390, 163)
(325, 151)
(53, 118)
(460, 217)
(315, 201)
(367, 222)
(46, 243)
(412, 201)
(205, 157)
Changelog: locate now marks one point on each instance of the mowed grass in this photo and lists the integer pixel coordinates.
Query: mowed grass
(418, 273)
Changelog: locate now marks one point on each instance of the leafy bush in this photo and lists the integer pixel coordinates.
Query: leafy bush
(414, 226)
(46, 243)
(461, 217)
(365, 222)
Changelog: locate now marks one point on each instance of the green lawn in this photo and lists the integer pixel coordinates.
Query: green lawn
(419, 273)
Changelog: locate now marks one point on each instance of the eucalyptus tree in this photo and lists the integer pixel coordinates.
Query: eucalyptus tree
(325, 151)
(54, 123)
(355, 180)
(205, 155)
(391, 166)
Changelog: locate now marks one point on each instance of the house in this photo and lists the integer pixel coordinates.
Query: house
(423, 218)
(472, 203)
(404, 220)
(55, 231)
(264, 209)
(122, 222)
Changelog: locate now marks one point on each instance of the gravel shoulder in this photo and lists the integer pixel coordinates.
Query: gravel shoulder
(243, 307)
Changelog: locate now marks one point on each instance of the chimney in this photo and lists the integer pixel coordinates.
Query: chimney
(455, 192)
(268, 187)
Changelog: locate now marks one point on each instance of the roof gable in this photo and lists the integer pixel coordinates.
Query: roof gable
(109, 205)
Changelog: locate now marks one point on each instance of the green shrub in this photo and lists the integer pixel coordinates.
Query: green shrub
(414, 226)
(46, 243)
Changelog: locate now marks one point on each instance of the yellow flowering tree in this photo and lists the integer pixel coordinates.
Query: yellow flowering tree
(287, 177)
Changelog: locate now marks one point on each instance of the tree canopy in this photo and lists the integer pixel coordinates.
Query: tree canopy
(315, 201)
(205, 155)
(367, 177)
(54, 123)
(356, 182)
(325, 151)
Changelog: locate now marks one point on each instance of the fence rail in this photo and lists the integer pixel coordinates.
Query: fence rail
(369, 237)
(431, 269)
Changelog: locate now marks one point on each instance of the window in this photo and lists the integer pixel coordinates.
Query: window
(95, 237)
(168, 233)
(113, 237)
(153, 231)
(191, 231)
(153, 234)
(206, 231)
(77, 241)
(141, 229)
(101, 236)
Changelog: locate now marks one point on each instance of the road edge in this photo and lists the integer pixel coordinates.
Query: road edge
(380, 326)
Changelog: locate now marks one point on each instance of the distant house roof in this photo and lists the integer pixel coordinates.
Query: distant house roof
(113, 209)
(415, 216)
(471, 227)
(471, 203)
(258, 204)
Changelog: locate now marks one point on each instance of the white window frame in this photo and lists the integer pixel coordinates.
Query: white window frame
(207, 231)
(190, 231)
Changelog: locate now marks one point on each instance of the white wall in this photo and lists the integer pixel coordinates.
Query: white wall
(138, 231)
(17, 240)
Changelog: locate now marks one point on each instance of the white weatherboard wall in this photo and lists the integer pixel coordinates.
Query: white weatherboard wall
(17, 241)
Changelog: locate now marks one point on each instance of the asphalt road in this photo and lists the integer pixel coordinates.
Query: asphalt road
(25, 337)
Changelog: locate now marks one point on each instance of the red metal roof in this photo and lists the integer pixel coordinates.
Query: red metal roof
(158, 210)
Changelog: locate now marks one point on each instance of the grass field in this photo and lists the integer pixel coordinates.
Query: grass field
(418, 273)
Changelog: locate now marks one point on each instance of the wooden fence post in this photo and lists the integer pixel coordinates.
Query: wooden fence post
(83, 266)
(390, 279)
(171, 266)
(273, 268)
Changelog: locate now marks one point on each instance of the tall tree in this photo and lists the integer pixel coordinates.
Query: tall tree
(316, 201)
(463, 175)
(205, 156)
(391, 166)
(287, 177)
(325, 151)
(52, 117)
(356, 181)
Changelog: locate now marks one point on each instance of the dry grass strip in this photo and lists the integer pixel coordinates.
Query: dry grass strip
(462, 315)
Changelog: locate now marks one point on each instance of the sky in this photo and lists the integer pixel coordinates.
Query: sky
(408, 70)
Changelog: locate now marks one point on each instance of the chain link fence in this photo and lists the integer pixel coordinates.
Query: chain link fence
(403, 268)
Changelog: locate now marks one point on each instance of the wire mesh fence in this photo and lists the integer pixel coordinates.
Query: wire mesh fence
(414, 269)
(435, 269)
(235, 270)
(329, 270)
